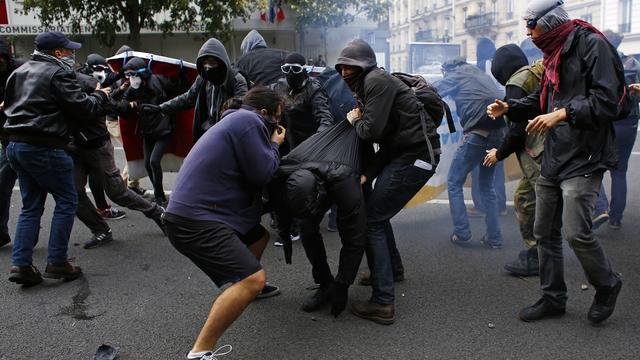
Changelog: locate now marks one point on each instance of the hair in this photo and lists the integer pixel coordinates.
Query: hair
(261, 97)
(233, 103)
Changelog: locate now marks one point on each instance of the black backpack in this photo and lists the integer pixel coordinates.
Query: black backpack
(428, 95)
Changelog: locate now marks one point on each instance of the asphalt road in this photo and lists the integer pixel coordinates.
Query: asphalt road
(142, 296)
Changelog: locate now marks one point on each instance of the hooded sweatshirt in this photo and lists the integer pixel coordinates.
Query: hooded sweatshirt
(206, 96)
(259, 64)
(391, 112)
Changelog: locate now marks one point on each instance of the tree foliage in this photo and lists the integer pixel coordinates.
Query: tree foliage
(106, 18)
(335, 13)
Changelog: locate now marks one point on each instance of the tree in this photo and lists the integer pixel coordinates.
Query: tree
(334, 13)
(106, 18)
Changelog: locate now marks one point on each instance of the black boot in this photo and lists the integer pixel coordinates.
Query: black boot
(527, 264)
(318, 299)
(604, 302)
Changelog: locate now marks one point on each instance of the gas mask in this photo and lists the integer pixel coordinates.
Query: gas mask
(101, 76)
(296, 81)
(135, 82)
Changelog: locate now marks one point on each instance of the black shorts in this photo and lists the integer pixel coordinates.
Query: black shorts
(215, 248)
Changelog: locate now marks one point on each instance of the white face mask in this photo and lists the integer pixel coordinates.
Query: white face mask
(135, 82)
(99, 75)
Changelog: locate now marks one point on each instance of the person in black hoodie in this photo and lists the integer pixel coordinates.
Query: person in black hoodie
(216, 83)
(8, 176)
(93, 157)
(389, 114)
(42, 100)
(260, 64)
(511, 68)
(156, 128)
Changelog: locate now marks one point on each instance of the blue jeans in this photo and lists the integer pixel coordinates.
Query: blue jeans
(394, 187)
(626, 132)
(498, 184)
(468, 156)
(43, 170)
(7, 182)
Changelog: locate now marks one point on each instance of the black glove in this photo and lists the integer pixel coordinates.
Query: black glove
(149, 110)
(339, 297)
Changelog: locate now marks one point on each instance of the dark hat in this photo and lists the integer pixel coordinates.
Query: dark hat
(135, 64)
(55, 40)
(295, 58)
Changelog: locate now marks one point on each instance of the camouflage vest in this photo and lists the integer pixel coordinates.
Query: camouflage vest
(528, 79)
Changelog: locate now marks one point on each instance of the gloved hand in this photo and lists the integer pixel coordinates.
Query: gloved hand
(354, 115)
(149, 110)
(339, 296)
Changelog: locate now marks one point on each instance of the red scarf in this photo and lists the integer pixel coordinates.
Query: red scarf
(552, 43)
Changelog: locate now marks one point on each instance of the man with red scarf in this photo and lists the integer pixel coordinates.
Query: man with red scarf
(579, 97)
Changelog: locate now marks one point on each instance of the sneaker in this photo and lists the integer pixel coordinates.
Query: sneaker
(540, 310)
(491, 245)
(381, 314)
(604, 302)
(613, 225)
(25, 275)
(99, 239)
(268, 291)
(526, 264)
(278, 242)
(459, 241)
(365, 278)
(4, 240)
(223, 350)
(295, 237)
(112, 213)
(599, 220)
(318, 299)
(64, 271)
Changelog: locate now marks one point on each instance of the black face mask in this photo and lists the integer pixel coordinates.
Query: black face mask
(352, 81)
(296, 81)
(215, 76)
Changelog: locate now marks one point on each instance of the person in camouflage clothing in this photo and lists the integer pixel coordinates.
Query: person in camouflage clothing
(510, 67)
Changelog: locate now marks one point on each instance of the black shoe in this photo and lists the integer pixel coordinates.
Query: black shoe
(490, 245)
(318, 299)
(381, 314)
(604, 302)
(365, 278)
(64, 271)
(527, 264)
(268, 291)
(25, 275)
(4, 239)
(540, 310)
(99, 239)
(615, 224)
(459, 241)
(599, 220)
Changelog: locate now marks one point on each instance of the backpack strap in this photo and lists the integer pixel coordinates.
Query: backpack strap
(447, 113)
(423, 122)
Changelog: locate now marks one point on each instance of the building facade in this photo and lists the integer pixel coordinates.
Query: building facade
(465, 21)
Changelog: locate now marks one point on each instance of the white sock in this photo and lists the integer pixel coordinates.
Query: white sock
(196, 355)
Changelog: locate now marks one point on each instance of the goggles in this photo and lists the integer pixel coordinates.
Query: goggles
(293, 68)
(99, 68)
(137, 73)
(532, 23)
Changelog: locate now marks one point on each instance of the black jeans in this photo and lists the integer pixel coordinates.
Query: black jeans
(8, 179)
(566, 207)
(352, 225)
(101, 161)
(153, 151)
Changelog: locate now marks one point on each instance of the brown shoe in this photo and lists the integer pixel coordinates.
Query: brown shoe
(64, 271)
(25, 275)
(381, 314)
(365, 278)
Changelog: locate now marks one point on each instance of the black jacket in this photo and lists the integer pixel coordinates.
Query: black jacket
(41, 101)
(391, 113)
(12, 64)
(259, 64)
(591, 86)
(305, 112)
(91, 129)
(206, 97)
(155, 90)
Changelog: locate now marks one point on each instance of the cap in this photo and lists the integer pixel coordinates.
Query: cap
(55, 40)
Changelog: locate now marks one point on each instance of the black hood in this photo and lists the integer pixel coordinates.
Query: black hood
(252, 41)
(357, 53)
(508, 59)
(213, 47)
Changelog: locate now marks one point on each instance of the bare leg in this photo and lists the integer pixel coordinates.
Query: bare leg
(257, 248)
(226, 309)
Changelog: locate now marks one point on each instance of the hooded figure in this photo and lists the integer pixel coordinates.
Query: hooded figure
(306, 106)
(530, 50)
(485, 50)
(216, 82)
(259, 64)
